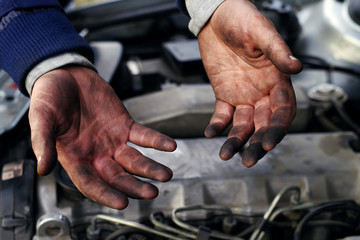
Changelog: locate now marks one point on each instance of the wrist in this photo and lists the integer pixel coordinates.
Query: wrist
(54, 63)
(200, 13)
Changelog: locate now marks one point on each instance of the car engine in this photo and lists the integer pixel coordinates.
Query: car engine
(306, 188)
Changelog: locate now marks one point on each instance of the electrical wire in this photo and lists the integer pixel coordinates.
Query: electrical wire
(329, 223)
(269, 216)
(246, 231)
(213, 234)
(320, 63)
(303, 206)
(168, 228)
(117, 233)
(132, 224)
(272, 207)
(344, 204)
(345, 117)
(276, 213)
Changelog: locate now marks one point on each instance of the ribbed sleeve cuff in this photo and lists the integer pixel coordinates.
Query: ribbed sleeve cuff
(200, 12)
(34, 36)
(54, 63)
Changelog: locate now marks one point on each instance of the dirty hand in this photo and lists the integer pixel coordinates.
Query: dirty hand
(248, 65)
(76, 117)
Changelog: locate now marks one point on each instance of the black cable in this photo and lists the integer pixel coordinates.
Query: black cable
(345, 204)
(264, 223)
(246, 231)
(313, 61)
(345, 117)
(314, 223)
(320, 63)
(119, 232)
(317, 63)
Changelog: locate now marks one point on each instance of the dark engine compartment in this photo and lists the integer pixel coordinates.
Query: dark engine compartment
(306, 188)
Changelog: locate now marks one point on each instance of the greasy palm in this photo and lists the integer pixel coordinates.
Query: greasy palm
(248, 65)
(76, 117)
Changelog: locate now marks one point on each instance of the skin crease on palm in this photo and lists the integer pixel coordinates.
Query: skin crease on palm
(248, 65)
(77, 119)
(87, 130)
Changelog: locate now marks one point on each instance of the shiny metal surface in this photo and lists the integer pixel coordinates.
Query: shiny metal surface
(320, 164)
(52, 226)
(334, 35)
(186, 110)
(13, 105)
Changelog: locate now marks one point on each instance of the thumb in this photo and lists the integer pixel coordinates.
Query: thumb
(273, 46)
(43, 139)
(282, 58)
(279, 54)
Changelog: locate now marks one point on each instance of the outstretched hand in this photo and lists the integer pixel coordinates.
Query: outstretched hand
(76, 117)
(248, 65)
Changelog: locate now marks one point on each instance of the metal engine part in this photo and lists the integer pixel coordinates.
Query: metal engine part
(52, 226)
(188, 108)
(306, 188)
(335, 36)
(13, 105)
(326, 92)
(320, 164)
(17, 203)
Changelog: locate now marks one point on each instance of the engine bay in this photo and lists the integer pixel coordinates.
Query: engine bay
(306, 188)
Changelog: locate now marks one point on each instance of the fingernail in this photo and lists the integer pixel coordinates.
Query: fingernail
(39, 160)
(292, 57)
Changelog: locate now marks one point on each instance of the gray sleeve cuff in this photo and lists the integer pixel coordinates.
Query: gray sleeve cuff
(200, 12)
(53, 63)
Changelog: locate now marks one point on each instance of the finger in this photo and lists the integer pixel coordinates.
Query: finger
(262, 113)
(147, 137)
(43, 138)
(275, 48)
(254, 152)
(221, 118)
(136, 163)
(115, 176)
(276, 131)
(283, 100)
(243, 127)
(270, 42)
(88, 182)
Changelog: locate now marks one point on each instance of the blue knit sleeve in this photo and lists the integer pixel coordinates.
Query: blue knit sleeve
(40, 30)
(9, 5)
